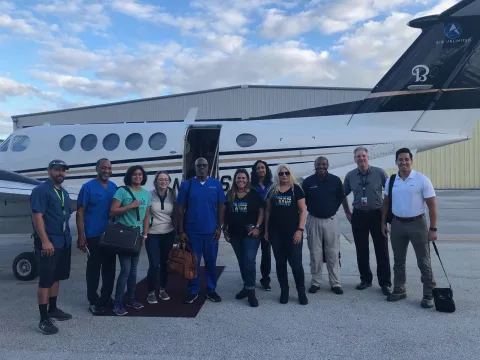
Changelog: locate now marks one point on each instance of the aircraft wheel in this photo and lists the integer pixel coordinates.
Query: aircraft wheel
(24, 266)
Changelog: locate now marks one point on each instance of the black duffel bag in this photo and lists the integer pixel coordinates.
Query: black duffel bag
(121, 238)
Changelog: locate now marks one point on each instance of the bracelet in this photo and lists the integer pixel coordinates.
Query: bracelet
(433, 229)
(300, 229)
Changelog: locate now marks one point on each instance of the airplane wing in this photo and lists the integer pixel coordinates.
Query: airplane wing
(15, 212)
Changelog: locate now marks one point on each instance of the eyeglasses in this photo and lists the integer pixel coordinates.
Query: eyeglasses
(284, 173)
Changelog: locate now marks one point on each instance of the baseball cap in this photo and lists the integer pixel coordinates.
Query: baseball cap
(57, 163)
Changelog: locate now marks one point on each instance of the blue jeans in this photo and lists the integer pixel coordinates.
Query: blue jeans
(246, 251)
(204, 244)
(127, 276)
(158, 248)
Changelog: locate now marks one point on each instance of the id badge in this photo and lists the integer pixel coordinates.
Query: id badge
(364, 201)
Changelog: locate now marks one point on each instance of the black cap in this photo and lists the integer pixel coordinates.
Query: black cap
(57, 163)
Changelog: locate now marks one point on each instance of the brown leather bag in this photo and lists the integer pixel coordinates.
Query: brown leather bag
(183, 262)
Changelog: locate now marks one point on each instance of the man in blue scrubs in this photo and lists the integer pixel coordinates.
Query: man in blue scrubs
(93, 208)
(201, 206)
(50, 204)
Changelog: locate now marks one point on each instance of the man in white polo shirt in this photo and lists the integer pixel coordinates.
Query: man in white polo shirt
(411, 190)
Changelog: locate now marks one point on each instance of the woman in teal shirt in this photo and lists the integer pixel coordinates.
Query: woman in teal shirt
(124, 210)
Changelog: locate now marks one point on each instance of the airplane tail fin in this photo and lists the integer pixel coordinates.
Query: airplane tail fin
(435, 84)
(192, 114)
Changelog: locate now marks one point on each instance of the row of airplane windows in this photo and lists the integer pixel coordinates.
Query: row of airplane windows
(110, 142)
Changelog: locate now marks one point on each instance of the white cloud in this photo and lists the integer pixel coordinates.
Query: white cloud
(83, 86)
(77, 15)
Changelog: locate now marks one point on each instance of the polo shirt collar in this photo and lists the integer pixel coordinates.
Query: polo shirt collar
(412, 175)
(317, 178)
(367, 172)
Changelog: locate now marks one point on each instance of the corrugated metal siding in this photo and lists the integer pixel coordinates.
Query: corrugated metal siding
(455, 166)
(229, 103)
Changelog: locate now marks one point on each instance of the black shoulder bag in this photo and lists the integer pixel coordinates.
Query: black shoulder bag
(390, 195)
(443, 297)
(119, 238)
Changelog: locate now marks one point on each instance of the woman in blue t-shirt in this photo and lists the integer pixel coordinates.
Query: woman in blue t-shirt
(244, 215)
(124, 210)
(262, 180)
(284, 224)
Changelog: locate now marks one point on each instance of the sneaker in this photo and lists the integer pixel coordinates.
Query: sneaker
(134, 303)
(242, 294)
(190, 298)
(119, 309)
(313, 289)
(151, 298)
(386, 290)
(395, 296)
(96, 309)
(46, 327)
(265, 284)
(213, 296)
(427, 302)
(163, 295)
(363, 285)
(59, 315)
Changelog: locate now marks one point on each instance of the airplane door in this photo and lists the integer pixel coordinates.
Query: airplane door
(201, 141)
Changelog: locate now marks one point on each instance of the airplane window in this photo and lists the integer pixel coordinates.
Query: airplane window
(20, 143)
(111, 141)
(67, 142)
(246, 140)
(4, 146)
(89, 142)
(133, 141)
(157, 141)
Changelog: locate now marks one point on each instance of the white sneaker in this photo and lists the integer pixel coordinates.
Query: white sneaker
(151, 298)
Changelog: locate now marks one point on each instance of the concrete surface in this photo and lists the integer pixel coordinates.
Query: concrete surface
(355, 325)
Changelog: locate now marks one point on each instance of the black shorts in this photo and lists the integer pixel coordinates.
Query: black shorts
(53, 268)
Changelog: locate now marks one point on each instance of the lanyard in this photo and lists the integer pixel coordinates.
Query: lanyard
(62, 200)
(363, 182)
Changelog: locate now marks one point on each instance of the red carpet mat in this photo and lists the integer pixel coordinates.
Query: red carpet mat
(176, 289)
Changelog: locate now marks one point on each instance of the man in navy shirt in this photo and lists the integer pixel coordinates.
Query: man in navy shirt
(323, 195)
(50, 205)
(201, 205)
(93, 209)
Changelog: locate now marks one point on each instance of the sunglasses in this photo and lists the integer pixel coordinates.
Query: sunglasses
(201, 165)
(284, 173)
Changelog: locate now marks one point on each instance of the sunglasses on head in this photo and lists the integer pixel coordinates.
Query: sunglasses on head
(282, 173)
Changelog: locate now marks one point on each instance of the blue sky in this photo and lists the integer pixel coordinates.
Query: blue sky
(67, 53)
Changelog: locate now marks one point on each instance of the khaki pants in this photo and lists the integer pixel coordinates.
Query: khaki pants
(327, 230)
(401, 234)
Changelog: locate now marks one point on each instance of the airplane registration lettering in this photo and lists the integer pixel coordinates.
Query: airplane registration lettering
(226, 180)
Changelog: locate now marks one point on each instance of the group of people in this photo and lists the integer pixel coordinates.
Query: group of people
(264, 209)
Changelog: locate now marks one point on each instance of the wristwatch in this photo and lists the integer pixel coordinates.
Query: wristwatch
(433, 229)
(256, 226)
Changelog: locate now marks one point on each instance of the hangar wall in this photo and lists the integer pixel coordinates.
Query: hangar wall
(455, 166)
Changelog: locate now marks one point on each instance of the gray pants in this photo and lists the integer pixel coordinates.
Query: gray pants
(401, 234)
(327, 230)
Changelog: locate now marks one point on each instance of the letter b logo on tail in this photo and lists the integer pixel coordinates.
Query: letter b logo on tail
(420, 72)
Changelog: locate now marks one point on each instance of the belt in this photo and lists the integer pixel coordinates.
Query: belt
(407, 219)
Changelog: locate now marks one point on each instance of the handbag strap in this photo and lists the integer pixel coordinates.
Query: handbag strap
(133, 197)
(436, 250)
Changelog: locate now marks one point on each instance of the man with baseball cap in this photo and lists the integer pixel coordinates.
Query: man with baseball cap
(52, 239)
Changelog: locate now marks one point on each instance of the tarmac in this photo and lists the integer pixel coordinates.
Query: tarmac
(355, 325)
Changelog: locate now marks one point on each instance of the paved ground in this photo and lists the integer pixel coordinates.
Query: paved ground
(356, 325)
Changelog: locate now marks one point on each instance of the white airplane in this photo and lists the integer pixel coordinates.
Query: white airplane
(429, 98)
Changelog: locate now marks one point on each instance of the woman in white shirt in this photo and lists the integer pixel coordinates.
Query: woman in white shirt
(161, 234)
